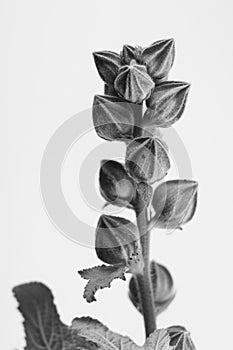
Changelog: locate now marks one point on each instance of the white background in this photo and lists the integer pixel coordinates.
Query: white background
(47, 75)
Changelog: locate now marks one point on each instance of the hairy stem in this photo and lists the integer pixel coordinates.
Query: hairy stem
(144, 280)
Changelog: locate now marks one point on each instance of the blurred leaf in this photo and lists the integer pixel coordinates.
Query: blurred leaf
(43, 327)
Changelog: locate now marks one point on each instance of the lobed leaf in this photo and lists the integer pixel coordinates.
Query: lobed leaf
(166, 104)
(43, 327)
(100, 277)
(96, 332)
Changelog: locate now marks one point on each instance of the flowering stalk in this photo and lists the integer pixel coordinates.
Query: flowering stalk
(134, 79)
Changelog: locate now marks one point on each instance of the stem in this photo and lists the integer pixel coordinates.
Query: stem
(144, 281)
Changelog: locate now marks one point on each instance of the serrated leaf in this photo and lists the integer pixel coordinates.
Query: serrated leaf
(166, 104)
(180, 338)
(113, 118)
(100, 277)
(159, 58)
(108, 64)
(147, 159)
(174, 203)
(43, 327)
(96, 332)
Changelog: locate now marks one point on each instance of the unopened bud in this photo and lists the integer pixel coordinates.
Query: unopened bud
(116, 186)
(133, 83)
(117, 242)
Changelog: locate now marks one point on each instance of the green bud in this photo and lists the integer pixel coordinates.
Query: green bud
(117, 242)
(108, 64)
(147, 159)
(116, 186)
(159, 58)
(133, 83)
(174, 203)
(166, 104)
(113, 118)
(163, 288)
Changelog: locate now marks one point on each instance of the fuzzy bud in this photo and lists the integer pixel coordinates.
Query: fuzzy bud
(174, 203)
(117, 242)
(147, 159)
(116, 186)
(133, 83)
(159, 58)
(166, 104)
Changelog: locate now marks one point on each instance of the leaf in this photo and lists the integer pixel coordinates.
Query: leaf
(128, 54)
(158, 340)
(147, 159)
(100, 277)
(163, 288)
(159, 58)
(108, 64)
(96, 332)
(166, 104)
(174, 203)
(180, 338)
(43, 327)
(113, 118)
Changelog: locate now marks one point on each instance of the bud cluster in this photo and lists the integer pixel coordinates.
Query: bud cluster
(139, 101)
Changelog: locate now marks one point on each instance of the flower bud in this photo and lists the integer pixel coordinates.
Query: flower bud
(133, 83)
(163, 288)
(115, 184)
(113, 118)
(180, 338)
(174, 203)
(117, 242)
(159, 58)
(147, 159)
(108, 64)
(166, 104)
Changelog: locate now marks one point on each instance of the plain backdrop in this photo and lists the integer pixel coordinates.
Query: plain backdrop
(48, 75)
